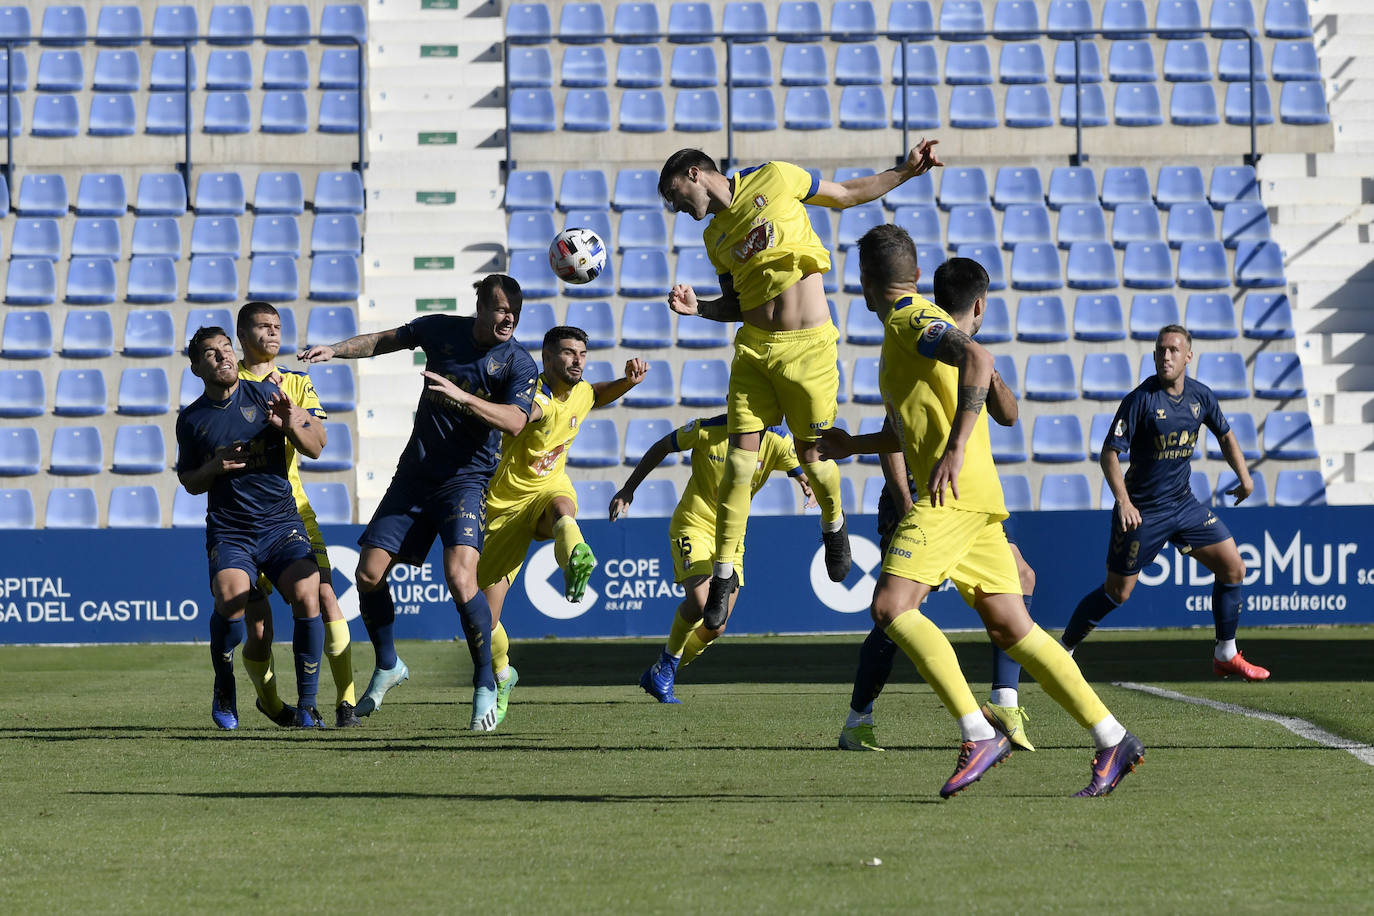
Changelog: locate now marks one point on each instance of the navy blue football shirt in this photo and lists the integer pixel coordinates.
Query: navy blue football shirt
(1161, 431)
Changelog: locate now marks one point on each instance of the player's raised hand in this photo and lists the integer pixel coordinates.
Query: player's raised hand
(1241, 490)
(923, 158)
(834, 444)
(635, 370)
(436, 382)
(810, 496)
(317, 354)
(946, 474)
(620, 503)
(279, 410)
(1128, 516)
(683, 299)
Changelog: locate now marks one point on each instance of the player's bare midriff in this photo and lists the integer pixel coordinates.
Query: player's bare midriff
(802, 305)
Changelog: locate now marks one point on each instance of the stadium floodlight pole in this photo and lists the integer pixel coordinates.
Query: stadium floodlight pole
(1253, 159)
(9, 99)
(906, 82)
(185, 167)
(505, 68)
(729, 102)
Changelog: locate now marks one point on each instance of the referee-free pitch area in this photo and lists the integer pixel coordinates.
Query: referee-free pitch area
(120, 796)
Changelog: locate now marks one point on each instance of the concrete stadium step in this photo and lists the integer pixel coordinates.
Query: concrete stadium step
(438, 29)
(441, 115)
(437, 144)
(1343, 405)
(427, 104)
(1319, 190)
(1333, 321)
(1315, 214)
(1344, 437)
(1329, 254)
(1304, 165)
(430, 225)
(1338, 377)
(1353, 493)
(1325, 292)
(434, 263)
(389, 420)
(445, 195)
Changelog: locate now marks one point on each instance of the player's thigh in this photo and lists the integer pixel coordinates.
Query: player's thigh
(329, 599)
(374, 563)
(1004, 615)
(559, 501)
(751, 403)
(806, 379)
(894, 595)
(508, 538)
(929, 541)
(987, 566)
(400, 527)
(1128, 552)
(317, 544)
(693, 549)
(460, 570)
(299, 583)
(1222, 559)
(230, 585)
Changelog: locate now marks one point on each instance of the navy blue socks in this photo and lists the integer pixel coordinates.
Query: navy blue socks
(379, 616)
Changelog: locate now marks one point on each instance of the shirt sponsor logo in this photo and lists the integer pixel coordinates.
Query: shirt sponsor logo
(759, 238)
(1161, 413)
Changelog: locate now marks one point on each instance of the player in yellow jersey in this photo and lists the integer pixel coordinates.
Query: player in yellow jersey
(692, 532)
(771, 263)
(531, 497)
(259, 333)
(934, 380)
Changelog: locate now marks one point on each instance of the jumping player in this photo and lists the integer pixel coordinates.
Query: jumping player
(231, 444)
(1158, 424)
(478, 381)
(771, 266)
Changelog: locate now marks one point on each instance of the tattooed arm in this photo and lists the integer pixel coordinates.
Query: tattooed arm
(955, 348)
(363, 345)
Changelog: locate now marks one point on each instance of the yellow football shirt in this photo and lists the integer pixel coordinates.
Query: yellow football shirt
(537, 456)
(764, 239)
(298, 387)
(708, 441)
(921, 395)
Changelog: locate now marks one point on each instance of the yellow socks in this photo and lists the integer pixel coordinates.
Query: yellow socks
(825, 483)
(732, 497)
(500, 650)
(694, 647)
(338, 649)
(677, 636)
(925, 645)
(566, 536)
(264, 682)
(1054, 669)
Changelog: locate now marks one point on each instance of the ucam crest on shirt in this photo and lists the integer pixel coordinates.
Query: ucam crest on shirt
(250, 412)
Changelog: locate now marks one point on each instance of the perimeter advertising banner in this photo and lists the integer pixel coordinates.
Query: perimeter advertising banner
(1305, 566)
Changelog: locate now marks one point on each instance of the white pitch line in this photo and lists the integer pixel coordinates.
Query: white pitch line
(1300, 727)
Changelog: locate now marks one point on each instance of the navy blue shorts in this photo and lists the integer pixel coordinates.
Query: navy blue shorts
(269, 550)
(413, 512)
(1187, 525)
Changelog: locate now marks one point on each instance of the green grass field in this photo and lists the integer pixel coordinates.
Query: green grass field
(119, 796)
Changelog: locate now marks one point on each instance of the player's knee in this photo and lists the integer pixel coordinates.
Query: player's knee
(367, 580)
(884, 612)
(1027, 576)
(1119, 591)
(710, 635)
(1233, 572)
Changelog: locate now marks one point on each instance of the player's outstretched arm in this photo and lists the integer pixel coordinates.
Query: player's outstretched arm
(359, 347)
(1230, 449)
(610, 392)
(845, 194)
(1129, 515)
(1002, 405)
(683, 300)
(226, 459)
(835, 444)
(509, 418)
(651, 459)
(894, 473)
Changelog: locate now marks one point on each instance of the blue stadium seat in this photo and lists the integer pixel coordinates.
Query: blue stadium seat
(60, 71)
(753, 110)
(922, 111)
(19, 455)
(646, 325)
(855, 221)
(1287, 19)
(1190, 222)
(1013, 18)
(16, 24)
(1131, 62)
(864, 383)
(872, 492)
(1106, 376)
(963, 186)
(1016, 185)
(338, 450)
(536, 318)
(212, 279)
(1147, 265)
(587, 111)
(168, 72)
(1089, 99)
(863, 108)
(920, 67)
(643, 272)
(289, 335)
(213, 235)
(31, 281)
(962, 20)
(1211, 316)
(188, 511)
(329, 323)
(697, 111)
(16, 509)
(853, 20)
(71, 507)
(1091, 265)
(1288, 435)
(95, 238)
(911, 19)
(55, 116)
(1137, 105)
(335, 278)
(596, 219)
(922, 223)
(1041, 319)
(1200, 486)
(530, 68)
(529, 190)
(175, 24)
(287, 24)
(115, 71)
(36, 238)
(1057, 438)
(745, 21)
(1098, 318)
(341, 21)
(204, 318)
(1182, 19)
(1008, 443)
(149, 332)
(1097, 437)
(280, 192)
(90, 281)
(339, 233)
(279, 235)
(1267, 316)
(160, 194)
(1227, 480)
(1179, 184)
(1231, 14)
(21, 393)
(335, 386)
(76, 450)
(695, 67)
(286, 70)
(581, 23)
(143, 392)
(1021, 62)
(862, 326)
(1065, 492)
(655, 499)
(596, 318)
(1299, 488)
(339, 192)
(1067, 18)
(1202, 265)
(635, 22)
(635, 189)
(1125, 184)
(1193, 105)
(990, 256)
(165, 114)
(858, 65)
(996, 326)
(582, 189)
(63, 26)
(1235, 58)
(799, 21)
(699, 333)
(1259, 264)
(1278, 376)
(158, 237)
(272, 278)
(1135, 222)
(1224, 373)
(282, 113)
(807, 109)
(1125, 17)
(1035, 267)
(1089, 63)
(639, 68)
(694, 268)
(531, 111)
(1150, 312)
(1016, 492)
(134, 507)
(584, 67)
(704, 382)
(1231, 184)
(528, 23)
(119, 26)
(1050, 377)
(928, 257)
(972, 107)
(1187, 62)
(598, 445)
(1073, 186)
(690, 22)
(968, 65)
(230, 24)
(1081, 223)
(87, 334)
(338, 113)
(111, 116)
(1028, 106)
(640, 434)
(1303, 102)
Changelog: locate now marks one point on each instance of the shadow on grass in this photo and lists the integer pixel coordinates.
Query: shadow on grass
(597, 798)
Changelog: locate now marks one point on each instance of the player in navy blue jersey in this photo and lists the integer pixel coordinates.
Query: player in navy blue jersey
(1157, 424)
(232, 444)
(479, 383)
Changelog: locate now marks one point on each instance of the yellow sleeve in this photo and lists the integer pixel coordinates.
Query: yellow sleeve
(782, 453)
(301, 390)
(686, 436)
(797, 180)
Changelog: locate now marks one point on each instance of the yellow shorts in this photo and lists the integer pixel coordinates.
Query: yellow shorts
(692, 544)
(511, 525)
(935, 543)
(312, 528)
(777, 374)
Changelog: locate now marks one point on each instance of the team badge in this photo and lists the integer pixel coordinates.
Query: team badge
(760, 201)
(1161, 413)
(1197, 409)
(494, 367)
(249, 413)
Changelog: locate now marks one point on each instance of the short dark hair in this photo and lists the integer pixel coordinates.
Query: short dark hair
(563, 332)
(197, 341)
(959, 282)
(487, 286)
(887, 255)
(251, 311)
(678, 165)
(1175, 329)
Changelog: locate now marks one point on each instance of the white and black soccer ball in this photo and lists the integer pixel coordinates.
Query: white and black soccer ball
(577, 255)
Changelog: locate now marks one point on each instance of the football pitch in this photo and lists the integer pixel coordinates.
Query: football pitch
(120, 796)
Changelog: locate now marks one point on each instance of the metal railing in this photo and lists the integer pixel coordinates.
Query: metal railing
(1079, 155)
(186, 43)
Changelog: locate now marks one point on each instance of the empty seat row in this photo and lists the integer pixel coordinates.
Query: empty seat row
(164, 194)
(173, 70)
(751, 65)
(857, 20)
(176, 24)
(1101, 317)
(160, 236)
(114, 114)
(141, 507)
(89, 333)
(1066, 492)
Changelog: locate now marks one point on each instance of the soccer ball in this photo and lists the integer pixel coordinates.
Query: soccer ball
(577, 255)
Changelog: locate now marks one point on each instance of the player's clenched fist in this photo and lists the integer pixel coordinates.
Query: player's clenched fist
(682, 299)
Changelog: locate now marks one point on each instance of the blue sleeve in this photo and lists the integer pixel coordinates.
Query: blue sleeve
(412, 334)
(928, 337)
(520, 378)
(1124, 423)
(188, 450)
(1211, 415)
